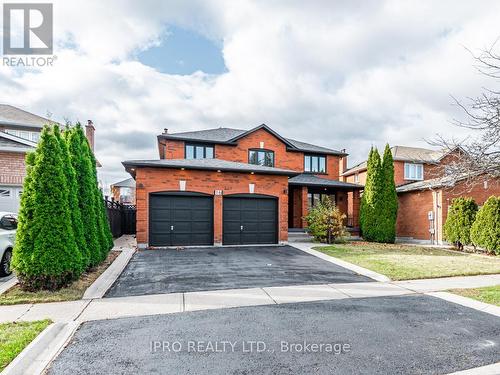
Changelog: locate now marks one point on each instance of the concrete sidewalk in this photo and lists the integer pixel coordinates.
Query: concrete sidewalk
(109, 308)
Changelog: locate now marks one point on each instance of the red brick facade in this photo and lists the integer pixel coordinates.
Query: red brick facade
(150, 180)
(12, 168)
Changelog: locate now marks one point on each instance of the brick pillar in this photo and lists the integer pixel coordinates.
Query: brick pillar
(283, 218)
(217, 220)
(305, 210)
(142, 213)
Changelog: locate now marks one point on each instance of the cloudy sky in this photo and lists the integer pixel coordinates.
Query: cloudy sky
(341, 74)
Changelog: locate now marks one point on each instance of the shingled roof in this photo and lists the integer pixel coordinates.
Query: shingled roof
(13, 116)
(206, 164)
(427, 184)
(307, 179)
(129, 182)
(231, 135)
(404, 153)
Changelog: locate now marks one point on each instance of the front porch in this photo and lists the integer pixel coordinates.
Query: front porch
(307, 190)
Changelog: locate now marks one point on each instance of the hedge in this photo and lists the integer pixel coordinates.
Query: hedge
(485, 231)
(461, 216)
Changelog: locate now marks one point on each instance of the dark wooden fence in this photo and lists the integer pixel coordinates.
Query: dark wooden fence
(121, 217)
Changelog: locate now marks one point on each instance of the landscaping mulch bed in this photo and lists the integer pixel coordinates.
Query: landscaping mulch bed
(75, 291)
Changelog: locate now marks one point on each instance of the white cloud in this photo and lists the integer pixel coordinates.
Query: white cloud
(341, 74)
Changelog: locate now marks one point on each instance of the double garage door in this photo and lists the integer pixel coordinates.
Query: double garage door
(186, 219)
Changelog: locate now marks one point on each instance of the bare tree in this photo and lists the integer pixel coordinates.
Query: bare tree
(479, 154)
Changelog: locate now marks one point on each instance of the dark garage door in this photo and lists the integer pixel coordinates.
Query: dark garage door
(250, 220)
(180, 220)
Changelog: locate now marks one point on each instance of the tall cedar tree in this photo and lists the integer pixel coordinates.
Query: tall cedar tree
(55, 260)
(76, 216)
(485, 231)
(461, 216)
(389, 207)
(370, 201)
(84, 178)
(363, 205)
(103, 230)
(23, 248)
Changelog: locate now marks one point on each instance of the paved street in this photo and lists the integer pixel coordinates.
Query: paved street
(384, 335)
(171, 271)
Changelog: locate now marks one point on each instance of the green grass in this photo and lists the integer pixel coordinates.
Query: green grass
(75, 291)
(400, 262)
(14, 337)
(489, 294)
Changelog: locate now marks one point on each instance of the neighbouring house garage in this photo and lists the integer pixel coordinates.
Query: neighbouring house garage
(249, 219)
(181, 219)
(209, 202)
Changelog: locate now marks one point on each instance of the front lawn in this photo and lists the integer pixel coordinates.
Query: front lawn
(403, 262)
(489, 294)
(75, 291)
(14, 337)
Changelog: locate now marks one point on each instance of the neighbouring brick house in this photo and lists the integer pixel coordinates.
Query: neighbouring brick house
(124, 191)
(233, 186)
(19, 134)
(423, 206)
(424, 193)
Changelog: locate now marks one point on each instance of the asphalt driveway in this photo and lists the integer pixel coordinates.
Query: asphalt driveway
(387, 335)
(172, 271)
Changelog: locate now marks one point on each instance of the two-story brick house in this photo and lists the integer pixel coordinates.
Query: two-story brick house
(424, 192)
(19, 133)
(232, 186)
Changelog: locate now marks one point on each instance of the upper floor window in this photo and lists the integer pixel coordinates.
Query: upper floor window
(315, 163)
(30, 136)
(194, 151)
(356, 177)
(261, 157)
(414, 171)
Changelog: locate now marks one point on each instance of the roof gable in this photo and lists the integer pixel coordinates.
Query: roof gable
(266, 128)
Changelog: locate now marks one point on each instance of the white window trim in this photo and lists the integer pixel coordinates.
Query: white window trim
(408, 176)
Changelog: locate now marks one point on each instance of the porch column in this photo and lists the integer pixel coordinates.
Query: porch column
(304, 207)
(355, 208)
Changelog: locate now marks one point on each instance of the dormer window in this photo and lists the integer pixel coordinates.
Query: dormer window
(199, 151)
(261, 157)
(414, 171)
(315, 163)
